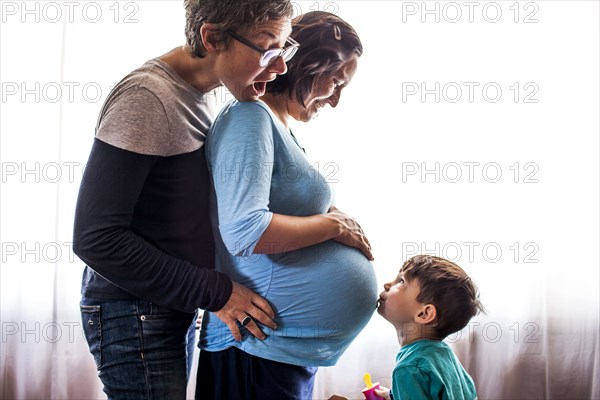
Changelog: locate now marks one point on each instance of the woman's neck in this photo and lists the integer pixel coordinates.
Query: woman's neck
(198, 72)
(278, 104)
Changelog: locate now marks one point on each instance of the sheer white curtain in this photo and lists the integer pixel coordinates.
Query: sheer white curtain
(470, 131)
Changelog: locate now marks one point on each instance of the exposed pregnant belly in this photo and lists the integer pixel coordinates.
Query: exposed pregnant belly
(326, 290)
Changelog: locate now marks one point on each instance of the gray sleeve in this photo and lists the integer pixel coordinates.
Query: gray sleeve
(136, 121)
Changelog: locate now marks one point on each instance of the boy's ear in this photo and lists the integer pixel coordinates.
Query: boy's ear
(211, 37)
(426, 314)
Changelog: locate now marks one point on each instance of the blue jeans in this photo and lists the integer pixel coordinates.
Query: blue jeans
(142, 351)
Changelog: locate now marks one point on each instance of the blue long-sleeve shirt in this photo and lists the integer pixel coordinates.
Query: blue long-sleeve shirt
(323, 295)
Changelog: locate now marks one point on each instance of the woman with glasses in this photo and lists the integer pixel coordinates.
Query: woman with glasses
(278, 232)
(142, 224)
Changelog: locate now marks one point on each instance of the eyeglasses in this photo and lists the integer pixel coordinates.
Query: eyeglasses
(268, 56)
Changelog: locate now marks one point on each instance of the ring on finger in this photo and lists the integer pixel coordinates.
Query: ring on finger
(246, 320)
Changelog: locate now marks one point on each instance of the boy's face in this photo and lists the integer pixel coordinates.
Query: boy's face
(398, 302)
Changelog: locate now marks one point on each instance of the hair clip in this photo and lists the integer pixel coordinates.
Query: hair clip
(337, 33)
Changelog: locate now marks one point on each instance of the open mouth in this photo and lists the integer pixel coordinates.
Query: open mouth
(260, 87)
(380, 302)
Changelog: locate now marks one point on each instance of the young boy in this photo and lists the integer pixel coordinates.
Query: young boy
(430, 299)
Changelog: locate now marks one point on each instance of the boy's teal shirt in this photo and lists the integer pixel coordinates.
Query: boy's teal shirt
(428, 369)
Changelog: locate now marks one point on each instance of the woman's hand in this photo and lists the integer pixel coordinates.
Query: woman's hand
(243, 303)
(351, 233)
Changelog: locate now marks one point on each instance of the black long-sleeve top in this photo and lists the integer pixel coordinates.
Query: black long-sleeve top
(141, 223)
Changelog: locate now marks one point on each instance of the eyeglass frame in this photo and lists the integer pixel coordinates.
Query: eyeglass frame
(293, 48)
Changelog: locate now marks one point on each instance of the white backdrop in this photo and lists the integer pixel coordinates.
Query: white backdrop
(470, 131)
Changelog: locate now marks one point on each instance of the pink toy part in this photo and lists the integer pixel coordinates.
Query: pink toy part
(369, 393)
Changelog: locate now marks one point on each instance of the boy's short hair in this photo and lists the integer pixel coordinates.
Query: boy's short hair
(446, 286)
(237, 15)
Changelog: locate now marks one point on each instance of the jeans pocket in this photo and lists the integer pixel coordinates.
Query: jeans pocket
(166, 334)
(92, 328)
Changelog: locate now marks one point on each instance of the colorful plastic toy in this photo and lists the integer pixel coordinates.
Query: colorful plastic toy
(369, 390)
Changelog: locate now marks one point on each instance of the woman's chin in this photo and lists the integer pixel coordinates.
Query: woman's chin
(304, 118)
(309, 116)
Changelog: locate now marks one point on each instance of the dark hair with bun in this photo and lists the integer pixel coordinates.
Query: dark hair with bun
(326, 42)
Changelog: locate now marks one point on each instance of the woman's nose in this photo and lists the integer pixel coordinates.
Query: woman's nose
(278, 67)
(334, 99)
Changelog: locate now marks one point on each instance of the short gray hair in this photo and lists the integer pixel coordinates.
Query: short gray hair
(237, 15)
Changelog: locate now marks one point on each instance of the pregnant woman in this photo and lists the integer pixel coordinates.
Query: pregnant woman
(278, 233)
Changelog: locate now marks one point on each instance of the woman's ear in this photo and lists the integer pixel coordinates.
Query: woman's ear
(426, 314)
(211, 38)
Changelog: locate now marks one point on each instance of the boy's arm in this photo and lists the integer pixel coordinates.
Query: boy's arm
(410, 382)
